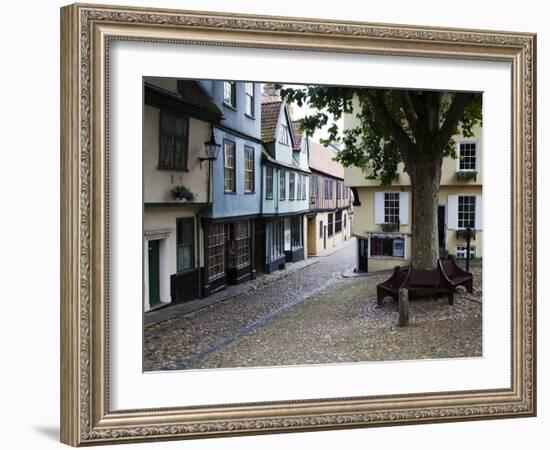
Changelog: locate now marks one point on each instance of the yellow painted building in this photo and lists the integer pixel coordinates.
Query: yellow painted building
(383, 214)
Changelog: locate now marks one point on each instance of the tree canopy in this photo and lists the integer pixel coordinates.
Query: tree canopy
(394, 125)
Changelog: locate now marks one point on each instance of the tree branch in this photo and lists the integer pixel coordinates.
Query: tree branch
(409, 111)
(454, 114)
(388, 121)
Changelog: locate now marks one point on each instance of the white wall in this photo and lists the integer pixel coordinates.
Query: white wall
(30, 249)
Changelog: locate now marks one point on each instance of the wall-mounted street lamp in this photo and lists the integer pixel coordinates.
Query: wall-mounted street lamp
(212, 148)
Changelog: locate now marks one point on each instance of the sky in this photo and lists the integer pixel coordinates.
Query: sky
(300, 112)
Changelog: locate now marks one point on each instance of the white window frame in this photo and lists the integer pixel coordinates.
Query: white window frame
(249, 172)
(379, 207)
(249, 99)
(467, 141)
(231, 87)
(394, 210)
(458, 227)
(462, 251)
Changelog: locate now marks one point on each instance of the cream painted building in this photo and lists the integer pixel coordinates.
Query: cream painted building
(329, 221)
(383, 214)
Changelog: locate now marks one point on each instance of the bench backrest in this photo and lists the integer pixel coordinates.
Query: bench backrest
(425, 278)
(449, 267)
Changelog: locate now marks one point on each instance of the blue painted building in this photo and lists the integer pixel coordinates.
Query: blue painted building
(285, 181)
(229, 224)
(200, 214)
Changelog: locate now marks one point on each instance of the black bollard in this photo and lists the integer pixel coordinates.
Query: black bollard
(468, 240)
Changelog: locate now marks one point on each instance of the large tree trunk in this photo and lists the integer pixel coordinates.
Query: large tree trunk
(425, 181)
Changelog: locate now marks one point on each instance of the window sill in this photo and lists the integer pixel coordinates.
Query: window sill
(172, 169)
(392, 258)
(230, 106)
(249, 116)
(249, 192)
(230, 192)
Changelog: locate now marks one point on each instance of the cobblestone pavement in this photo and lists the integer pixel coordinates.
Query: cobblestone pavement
(316, 316)
(174, 343)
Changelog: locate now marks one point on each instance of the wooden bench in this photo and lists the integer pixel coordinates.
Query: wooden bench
(390, 287)
(428, 282)
(418, 282)
(456, 275)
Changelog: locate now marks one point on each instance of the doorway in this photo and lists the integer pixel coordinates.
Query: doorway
(363, 253)
(441, 229)
(154, 273)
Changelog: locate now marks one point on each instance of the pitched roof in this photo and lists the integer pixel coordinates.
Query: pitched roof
(191, 99)
(297, 135)
(270, 117)
(321, 160)
(293, 165)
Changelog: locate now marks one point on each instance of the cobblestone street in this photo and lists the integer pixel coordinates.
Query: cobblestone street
(313, 316)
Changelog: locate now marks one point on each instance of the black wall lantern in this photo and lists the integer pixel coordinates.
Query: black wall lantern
(212, 148)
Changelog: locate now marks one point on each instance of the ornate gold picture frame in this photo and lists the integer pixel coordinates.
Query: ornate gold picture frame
(87, 31)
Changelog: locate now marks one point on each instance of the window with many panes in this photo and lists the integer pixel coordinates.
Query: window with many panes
(284, 135)
(314, 188)
(282, 185)
(276, 249)
(391, 207)
(291, 185)
(229, 166)
(466, 211)
(230, 93)
(387, 246)
(269, 183)
(338, 222)
(249, 99)
(304, 188)
(185, 242)
(239, 247)
(173, 130)
(462, 250)
(296, 233)
(216, 251)
(248, 169)
(330, 224)
(467, 156)
(328, 189)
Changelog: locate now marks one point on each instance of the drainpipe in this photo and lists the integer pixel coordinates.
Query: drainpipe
(262, 174)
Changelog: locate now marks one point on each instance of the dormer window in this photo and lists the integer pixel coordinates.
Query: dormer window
(284, 135)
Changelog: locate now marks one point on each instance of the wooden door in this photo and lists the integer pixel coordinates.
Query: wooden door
(363, 262)
(154, 273)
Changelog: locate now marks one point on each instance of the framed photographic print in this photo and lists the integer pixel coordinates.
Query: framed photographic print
(281, 224)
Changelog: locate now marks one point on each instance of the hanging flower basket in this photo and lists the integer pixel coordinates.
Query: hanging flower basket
(182, 193)
(389, 227)
(466, 175)
(462, 234)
